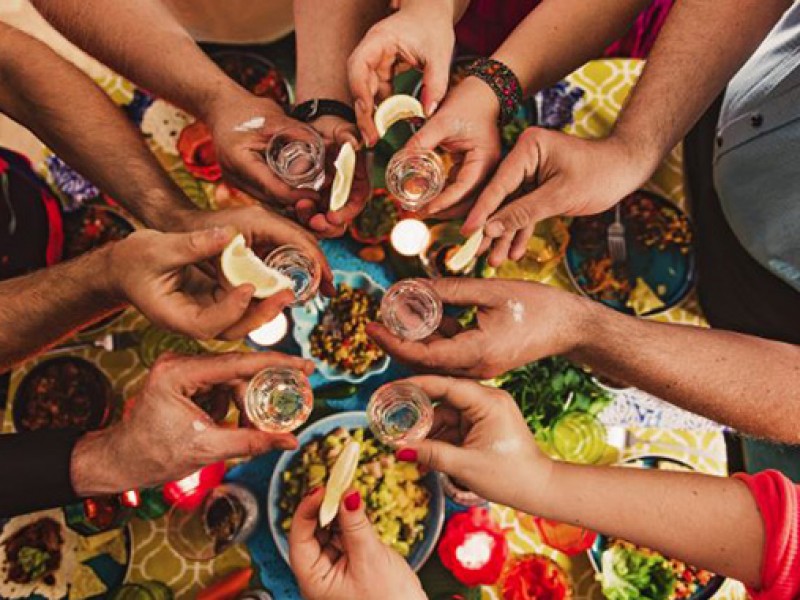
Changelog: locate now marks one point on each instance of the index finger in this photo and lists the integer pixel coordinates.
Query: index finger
(464, 291)
(518, 166)
(461, 394)
(253, 168)
(196, 371)
(305, 551)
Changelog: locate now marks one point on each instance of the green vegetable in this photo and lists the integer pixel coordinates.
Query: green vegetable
(548, 388)
(33, 561)
(335, 391)
(628, 574)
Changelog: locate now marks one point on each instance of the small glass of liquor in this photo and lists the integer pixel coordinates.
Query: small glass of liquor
(415, 178)
(228, 515)
(303, 270)
(411, 309)
(400, 413)
(279, 400)
(296, 154)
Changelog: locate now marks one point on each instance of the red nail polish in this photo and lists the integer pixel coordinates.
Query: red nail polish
(406, 455)
(313, 491)
(352, 501)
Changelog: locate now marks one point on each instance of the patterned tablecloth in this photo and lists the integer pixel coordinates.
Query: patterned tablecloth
(655, 427)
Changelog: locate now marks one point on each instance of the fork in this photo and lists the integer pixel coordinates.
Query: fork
(616, 237)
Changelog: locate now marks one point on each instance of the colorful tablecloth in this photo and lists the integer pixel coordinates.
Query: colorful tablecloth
(669, 431)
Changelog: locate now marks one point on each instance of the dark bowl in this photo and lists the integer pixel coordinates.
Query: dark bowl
(81, 394)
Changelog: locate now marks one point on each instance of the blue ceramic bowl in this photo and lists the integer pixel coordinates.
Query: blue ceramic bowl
(352, 420)
(307, 316)
(602, 543)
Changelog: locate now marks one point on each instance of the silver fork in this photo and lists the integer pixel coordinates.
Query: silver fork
(616, 237)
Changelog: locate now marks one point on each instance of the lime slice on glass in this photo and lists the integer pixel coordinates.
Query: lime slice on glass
(579, 437)
(341, 477)
(345, 167)
(240, 265)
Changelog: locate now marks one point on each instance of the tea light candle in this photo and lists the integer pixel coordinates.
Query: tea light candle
(410, 237)
(270, 333)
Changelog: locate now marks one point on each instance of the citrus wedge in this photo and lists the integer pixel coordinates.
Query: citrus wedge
(394, 109)
(461, 260)
(342, 473)
(345, 167)
(240, 265)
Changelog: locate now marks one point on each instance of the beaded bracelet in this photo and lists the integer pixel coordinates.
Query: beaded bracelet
(503, 82)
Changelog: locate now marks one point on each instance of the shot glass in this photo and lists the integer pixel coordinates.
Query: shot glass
(411, 309)
(400, 413)
(415, 178)
(296, 154)
(279, 400)
(303, 270)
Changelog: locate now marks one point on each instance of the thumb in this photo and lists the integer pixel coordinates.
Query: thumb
(182, 249)
(359, 540)
(434, 84)
(434, 454)
(225, 444)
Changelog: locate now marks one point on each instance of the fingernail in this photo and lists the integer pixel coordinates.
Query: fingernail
(285, 444)
(352, 501)
(313, 491)
(406, 455)
(494, 229)
(431, 108)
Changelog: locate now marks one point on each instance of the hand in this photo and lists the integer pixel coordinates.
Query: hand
(349, 562)
(155, 272)
(240, 145)
(165, 436)
(420, 34)
(517, 322)
(315, 215)
(569, 176)
(264, 230)
(480, 438)
(466, 126)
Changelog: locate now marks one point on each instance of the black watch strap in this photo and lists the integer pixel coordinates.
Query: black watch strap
(321, 107)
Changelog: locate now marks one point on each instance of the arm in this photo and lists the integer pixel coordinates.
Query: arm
(710, 522)
(74, 117)
(749, 383)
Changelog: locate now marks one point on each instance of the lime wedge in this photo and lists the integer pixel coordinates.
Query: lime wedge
(345, 167)
(240, 265)
(340, 479)
(461, 260)
(394, 109)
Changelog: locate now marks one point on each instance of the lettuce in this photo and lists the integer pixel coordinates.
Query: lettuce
(631, 575)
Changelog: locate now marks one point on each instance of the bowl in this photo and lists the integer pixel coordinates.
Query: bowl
(85, 398)
(352, 420)
(307, 316)
(704, 592)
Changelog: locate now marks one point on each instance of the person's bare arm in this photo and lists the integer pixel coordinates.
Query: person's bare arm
(749, 383)
(71, 115)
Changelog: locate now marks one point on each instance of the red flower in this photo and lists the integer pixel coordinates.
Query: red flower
(197, 151)
(535, 578)
(474, 548)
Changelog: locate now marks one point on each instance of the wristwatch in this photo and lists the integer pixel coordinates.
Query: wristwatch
(320, 107)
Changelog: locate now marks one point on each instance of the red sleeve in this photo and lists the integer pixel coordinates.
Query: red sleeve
(778, 501)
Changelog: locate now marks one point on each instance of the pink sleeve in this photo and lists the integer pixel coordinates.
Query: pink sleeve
(778, 501)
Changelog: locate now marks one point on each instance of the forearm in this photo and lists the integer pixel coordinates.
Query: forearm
(42, 308)
(749, 383)
(559, 36)
(710, 522)
(72, 116)
(702, 45)
(325, 40)
(144, 42)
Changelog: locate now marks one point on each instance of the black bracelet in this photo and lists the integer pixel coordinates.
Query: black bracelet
(503, 82)
(321, 107)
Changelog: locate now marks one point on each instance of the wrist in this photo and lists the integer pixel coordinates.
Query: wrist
(90, 470)
(634, 150)
(444, 8)
(108, 280)
(534, 489)
(479, 96)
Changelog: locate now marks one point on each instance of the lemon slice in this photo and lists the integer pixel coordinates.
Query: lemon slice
(461, 260)
(345, 167)
(394, 109)
(341, 477)
(240, 265)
